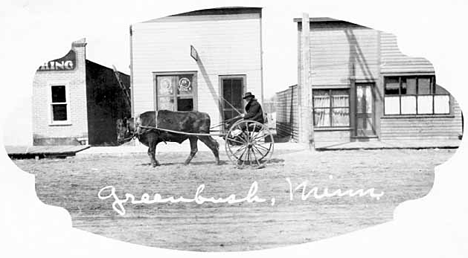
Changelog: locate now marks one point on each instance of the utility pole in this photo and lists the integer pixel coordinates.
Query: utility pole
(305, 90)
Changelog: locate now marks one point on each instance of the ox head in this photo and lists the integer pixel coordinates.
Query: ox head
(125, 130)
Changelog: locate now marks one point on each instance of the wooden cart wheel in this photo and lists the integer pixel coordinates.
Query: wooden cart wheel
(249, 143)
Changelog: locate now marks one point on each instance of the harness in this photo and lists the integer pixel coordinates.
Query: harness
(138, 127)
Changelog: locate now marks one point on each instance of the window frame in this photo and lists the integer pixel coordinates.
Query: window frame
(223, 77)
(50, 104)
(433, 93)
(330, 108)
(174, 94)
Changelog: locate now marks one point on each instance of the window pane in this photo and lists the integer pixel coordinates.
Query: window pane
(184, 104)
(232, 92)
(442, 104)
(340, 117)
(340, 100)
(364, 99)
(166, 103)
(185, 85)
(392, 105)
(59, 112)
(392, 86)
(424, 104)
(424, 86)
(340, 92)
(237, 93)
(408, 105)
(58, 94)
(166, 85)
(410, 86)
(441, 91)
(322, 117)
(321, 98)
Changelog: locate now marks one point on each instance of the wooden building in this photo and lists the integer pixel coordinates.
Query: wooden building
(363, 89)
(77, 101)
(194, 60)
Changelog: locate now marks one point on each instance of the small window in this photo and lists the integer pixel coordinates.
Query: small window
(331, 108)
(415, 95)
(59, 105)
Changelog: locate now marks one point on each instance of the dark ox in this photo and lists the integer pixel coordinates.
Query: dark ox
(142, 127)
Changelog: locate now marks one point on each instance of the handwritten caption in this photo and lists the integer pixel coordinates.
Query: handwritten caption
(109, 192)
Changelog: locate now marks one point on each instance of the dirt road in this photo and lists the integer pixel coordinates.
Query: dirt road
(74, 183)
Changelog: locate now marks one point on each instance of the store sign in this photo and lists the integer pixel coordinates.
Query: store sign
(185, 85)
(193, 53)
(66, 63)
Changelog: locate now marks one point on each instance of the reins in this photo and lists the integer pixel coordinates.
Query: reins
(179, 132)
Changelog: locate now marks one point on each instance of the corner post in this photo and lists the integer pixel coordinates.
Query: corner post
(305, 90)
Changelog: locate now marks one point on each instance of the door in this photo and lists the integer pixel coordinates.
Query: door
(365, 110)
(232, 89)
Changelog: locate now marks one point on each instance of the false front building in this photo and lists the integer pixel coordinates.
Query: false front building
(77, 101)
(363, 89)
(196, 60)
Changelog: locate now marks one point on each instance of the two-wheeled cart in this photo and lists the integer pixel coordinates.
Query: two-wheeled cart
(249, 143)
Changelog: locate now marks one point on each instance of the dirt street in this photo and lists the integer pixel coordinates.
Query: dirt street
(74, 183)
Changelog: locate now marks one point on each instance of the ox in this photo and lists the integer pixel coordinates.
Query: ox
(191, 122)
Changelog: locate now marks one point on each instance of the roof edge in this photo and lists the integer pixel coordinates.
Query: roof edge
(320, 19)
(229, 10)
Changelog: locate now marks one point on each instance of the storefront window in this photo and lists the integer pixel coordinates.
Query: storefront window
(175, 92)
(416, 95)
(331, 108)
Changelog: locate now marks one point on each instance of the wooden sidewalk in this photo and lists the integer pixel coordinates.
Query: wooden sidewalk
(18, 152)
(402, 144)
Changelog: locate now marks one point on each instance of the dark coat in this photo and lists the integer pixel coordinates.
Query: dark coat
(254, 111)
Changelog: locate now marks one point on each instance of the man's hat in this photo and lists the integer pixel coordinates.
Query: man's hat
(248, 94)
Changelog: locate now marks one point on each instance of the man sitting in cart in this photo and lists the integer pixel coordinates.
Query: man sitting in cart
(253, 109)
(253, 112)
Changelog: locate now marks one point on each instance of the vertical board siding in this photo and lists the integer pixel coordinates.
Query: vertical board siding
(287, 113)
(226, 45)
(341, 53)
(393, 61)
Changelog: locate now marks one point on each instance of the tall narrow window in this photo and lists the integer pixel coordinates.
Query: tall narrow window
(175, 92)
(331, 108)
(59, 103)
(415, 95)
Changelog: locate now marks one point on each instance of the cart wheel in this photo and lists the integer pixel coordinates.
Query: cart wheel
(249, 143)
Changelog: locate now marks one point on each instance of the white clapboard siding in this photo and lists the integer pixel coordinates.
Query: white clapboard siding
(393, 61)
(226, 45)
(342, 53)
(442, 127)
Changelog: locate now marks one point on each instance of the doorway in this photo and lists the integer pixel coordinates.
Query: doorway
(232, 90)
(364, 124)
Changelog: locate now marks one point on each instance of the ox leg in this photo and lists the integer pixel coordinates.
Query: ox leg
(213, 145)
(152, 154)
(193, 149)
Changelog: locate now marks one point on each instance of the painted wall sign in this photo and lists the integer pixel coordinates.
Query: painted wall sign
(66, 63)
